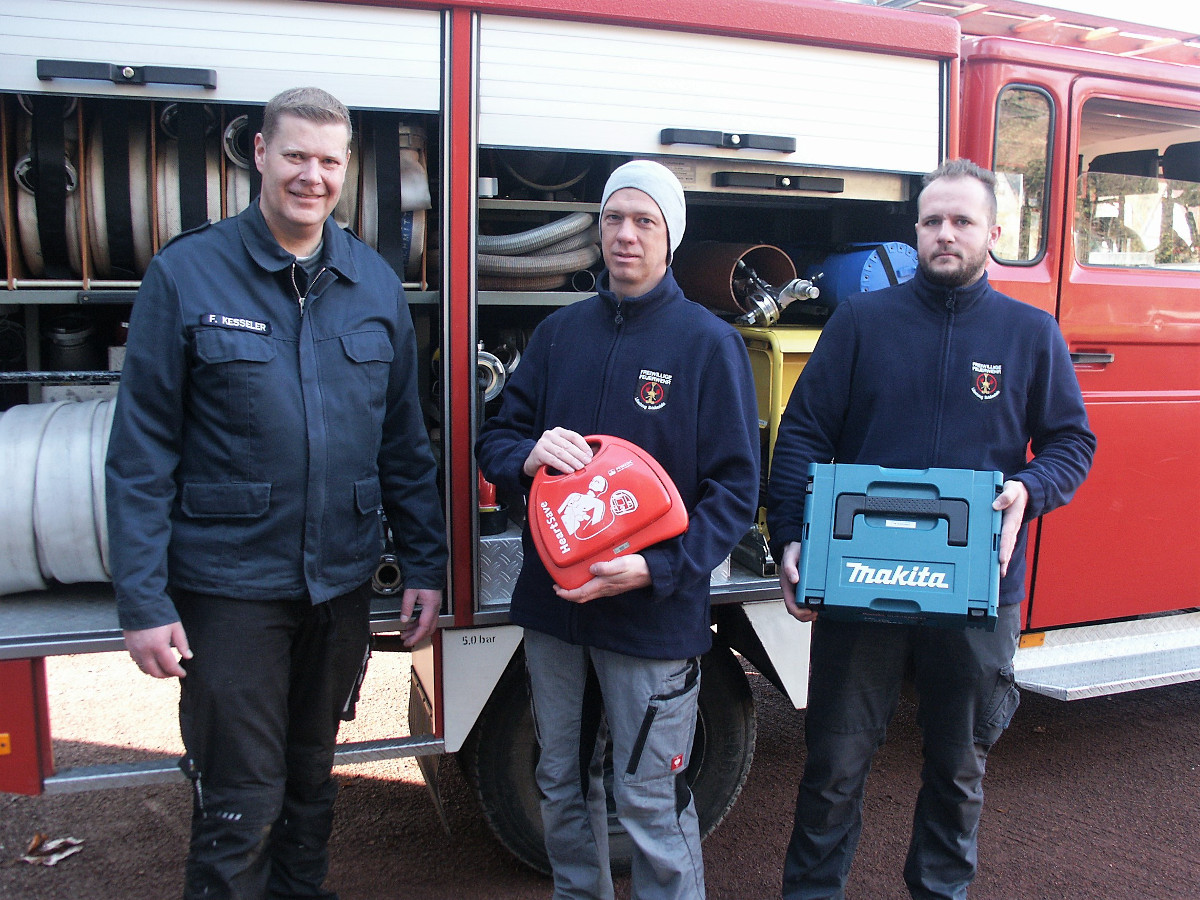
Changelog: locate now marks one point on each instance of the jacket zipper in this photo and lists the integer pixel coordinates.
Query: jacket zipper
(943, 370)
(301, 299)
(302, 296)
(618, 323)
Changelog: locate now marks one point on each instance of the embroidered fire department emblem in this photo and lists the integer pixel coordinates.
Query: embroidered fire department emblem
(652, 389)
(987, 380)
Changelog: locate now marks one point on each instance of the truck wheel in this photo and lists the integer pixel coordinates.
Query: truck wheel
(499, 757)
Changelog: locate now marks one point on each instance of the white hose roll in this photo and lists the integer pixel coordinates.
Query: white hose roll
(237, 190)
(27, 217)
(414, 200)
(27, 222)
(101, 429)
(21, 430)
(167, 186)
(414, 178)
(346, 211)
(534, 238)
(414, 224)
(64, 520)
(238, 146)
(140, 187)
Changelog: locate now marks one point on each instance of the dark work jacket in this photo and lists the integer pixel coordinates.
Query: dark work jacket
(583, 370)
(253, 447)
(919, 376)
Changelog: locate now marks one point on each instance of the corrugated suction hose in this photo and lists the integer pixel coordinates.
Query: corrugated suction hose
(542, 258)
(534, 238)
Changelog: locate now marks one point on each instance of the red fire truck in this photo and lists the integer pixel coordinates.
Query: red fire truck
(799, 129)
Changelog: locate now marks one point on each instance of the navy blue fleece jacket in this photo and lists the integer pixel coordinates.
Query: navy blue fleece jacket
(583, 370)
(917, 376)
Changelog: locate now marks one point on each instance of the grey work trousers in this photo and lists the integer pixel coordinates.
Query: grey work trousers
(649, 708)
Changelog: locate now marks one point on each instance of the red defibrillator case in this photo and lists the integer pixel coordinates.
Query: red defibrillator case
(619, 503)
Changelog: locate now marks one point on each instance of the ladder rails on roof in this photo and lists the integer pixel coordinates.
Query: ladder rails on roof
(1047, 25)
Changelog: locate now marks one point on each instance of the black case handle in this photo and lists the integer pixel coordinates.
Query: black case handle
(955, 512)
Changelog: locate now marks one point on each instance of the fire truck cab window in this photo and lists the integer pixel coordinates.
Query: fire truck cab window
(1023, 119)
(1138, 193)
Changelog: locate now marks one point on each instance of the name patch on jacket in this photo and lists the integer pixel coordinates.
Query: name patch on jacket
(987, 380)
(652, 389)
(236, 323)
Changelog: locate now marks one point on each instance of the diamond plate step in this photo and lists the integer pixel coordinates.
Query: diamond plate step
(1095, 660)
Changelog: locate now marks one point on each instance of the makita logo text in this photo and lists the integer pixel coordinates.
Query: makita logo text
(918, 575)
(552, 521)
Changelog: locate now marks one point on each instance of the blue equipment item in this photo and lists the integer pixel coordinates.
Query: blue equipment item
(908, 546)
(857, 268)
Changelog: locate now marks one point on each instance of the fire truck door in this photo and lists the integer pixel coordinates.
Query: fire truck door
(1130, 311)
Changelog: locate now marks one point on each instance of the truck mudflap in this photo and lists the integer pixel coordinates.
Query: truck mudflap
(472, 661)
(765, 633)
(26, 755)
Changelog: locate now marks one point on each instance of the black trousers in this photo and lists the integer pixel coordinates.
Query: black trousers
(259, 709)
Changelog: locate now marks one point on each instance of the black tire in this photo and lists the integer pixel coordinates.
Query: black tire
(499, 757)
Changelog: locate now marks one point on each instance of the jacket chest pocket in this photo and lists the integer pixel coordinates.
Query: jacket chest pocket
(369, 355)
(231, 372)
(223, 345)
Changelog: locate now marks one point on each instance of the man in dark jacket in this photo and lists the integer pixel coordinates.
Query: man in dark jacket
(942, 371)
(268, 412)
(641, 362)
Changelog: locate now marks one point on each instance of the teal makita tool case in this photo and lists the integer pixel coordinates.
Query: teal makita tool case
(911, 546)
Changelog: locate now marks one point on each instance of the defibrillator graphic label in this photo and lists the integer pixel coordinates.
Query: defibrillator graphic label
(585, 514)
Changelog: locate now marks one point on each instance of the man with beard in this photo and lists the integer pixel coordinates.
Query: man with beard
(941, 371)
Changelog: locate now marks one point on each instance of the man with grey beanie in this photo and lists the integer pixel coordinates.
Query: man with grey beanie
(620, 655)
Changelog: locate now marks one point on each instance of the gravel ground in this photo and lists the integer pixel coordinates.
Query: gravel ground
(1094, 800)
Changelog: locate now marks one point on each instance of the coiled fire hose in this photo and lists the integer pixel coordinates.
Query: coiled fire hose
(541, 258)
(52, 514)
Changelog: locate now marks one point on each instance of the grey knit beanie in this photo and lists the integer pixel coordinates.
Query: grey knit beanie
(663, 187)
